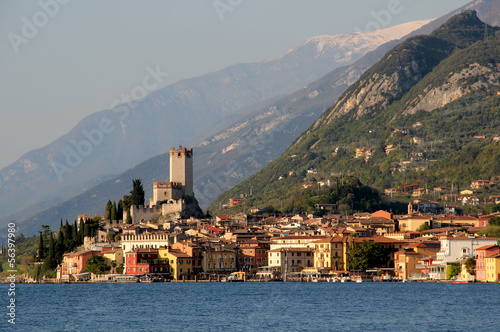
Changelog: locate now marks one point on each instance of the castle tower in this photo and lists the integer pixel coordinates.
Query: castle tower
(181, 169)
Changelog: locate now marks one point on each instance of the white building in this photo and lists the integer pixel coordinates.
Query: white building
(454, 249)
(147, 240)
(294, 242)
(287, 260)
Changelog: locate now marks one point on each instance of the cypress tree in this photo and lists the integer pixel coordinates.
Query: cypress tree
(41, 248)
(86, 230)
(67, 231)
(113, 212)
(80, 231)
(74, 233)
(51, 257)
(137, 194)
(60, 246)
(108, 212)
(119, 213)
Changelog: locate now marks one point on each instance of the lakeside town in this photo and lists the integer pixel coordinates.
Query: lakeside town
(171, 240)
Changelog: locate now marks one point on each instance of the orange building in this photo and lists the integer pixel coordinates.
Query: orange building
(252, 253)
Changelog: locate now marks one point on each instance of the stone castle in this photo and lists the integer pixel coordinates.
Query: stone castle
(174, 199)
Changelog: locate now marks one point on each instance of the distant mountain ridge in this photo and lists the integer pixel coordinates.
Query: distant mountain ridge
(147, 127)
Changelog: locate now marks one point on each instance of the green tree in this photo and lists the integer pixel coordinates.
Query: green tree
(119, 212)
(41, 248)
(110, 237)
(494, 221)
(127, 202)
(81, 231)
(423, 227)
(74, 234)
(452, 270)
(365, 255)
(491, 231)
(107, 214)
(470, 265)
(137, 194)
(113, 212)
(97, 265)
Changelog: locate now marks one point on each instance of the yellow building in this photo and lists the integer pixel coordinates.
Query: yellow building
(413, 222)
(217, 260)
(328, 253)
(180, 263)
(492, 268)
(114, 258)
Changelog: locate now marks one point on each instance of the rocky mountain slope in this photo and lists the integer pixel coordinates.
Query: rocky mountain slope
(418, 89)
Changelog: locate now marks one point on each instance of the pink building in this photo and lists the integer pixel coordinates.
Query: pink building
(481, 254)
(74, 262)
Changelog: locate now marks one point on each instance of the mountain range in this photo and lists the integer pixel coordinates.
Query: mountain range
(255, 139)
(109, 142)
(427, 112)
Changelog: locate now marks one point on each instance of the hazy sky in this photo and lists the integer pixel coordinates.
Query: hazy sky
(62, 60)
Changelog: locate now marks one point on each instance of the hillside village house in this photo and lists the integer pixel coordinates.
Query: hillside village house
(413, 222)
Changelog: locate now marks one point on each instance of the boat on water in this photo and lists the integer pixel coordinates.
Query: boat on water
(460, 282)
(126, 279)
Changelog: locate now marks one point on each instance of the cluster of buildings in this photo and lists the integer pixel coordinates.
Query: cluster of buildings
(286, 246)
(170, 239)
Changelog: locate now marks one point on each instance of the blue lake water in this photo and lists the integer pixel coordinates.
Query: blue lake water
(254, 307)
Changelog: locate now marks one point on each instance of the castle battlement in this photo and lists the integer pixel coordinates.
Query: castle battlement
(188, 153)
